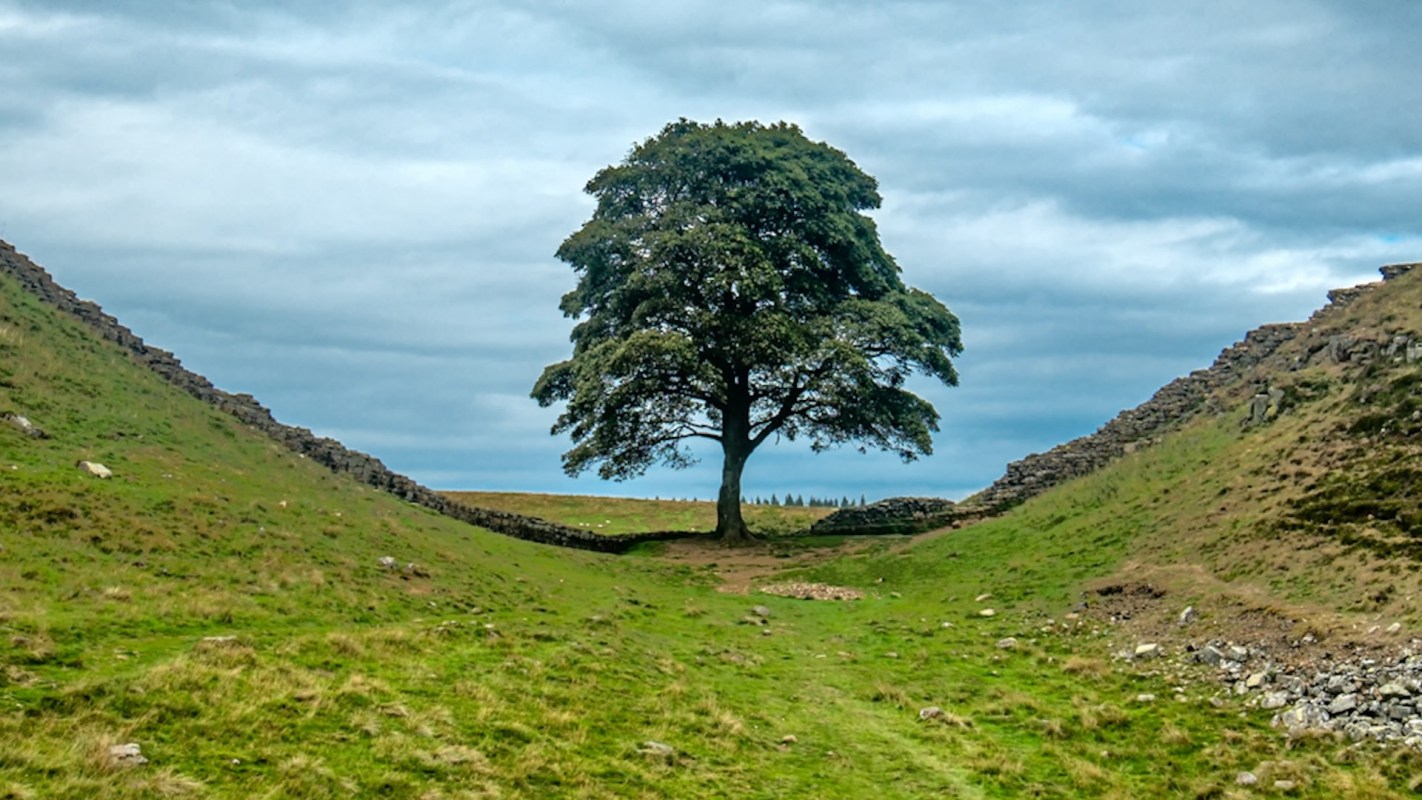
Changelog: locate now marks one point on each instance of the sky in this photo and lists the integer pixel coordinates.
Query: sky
(350, 210)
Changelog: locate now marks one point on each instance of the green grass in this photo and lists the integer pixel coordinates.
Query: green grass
(505, 669)
(615, 515)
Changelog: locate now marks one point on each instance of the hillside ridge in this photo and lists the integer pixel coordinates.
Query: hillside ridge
(330, 453)
(1170, 406)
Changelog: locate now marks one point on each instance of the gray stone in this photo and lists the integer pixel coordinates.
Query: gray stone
(1147, 650)
(1237, 653)
(127, 755)
(388, 562)
(659, 749)
(987, 612)
(1007, 643)
(930, 712)
(1211, 655)
(1393, 689)
(761, 611)
(1343, 703)
(1188, 616)
(1256, 680)
(1258, 409)
(23, 425)
(1273, 700)
(96, 469)
(1246, 779)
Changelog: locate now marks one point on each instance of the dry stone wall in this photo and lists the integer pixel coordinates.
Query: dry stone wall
(328, 452)
(1176, 402)
(896, 515)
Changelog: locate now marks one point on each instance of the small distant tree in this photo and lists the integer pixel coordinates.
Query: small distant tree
(730, 288)
(774, 501)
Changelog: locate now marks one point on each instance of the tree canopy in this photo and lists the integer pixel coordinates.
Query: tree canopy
(731, 288)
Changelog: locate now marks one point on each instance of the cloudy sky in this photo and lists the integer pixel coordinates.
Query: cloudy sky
(350, 209)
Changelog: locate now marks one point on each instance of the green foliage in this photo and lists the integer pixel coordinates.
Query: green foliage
(730, 288)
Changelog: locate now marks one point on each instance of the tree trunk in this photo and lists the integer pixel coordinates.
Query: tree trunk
(730, 527)
(736, 448)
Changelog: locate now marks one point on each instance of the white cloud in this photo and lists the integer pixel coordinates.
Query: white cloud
(352, 212)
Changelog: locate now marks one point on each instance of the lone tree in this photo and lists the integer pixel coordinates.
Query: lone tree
(729, 288)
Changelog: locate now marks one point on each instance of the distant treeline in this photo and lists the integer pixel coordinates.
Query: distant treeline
(799, 501)
(811, 502)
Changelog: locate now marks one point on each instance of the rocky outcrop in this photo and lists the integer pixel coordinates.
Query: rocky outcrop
(1365, 698)
(328, 452)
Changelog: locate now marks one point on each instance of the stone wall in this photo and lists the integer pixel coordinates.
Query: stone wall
(895, 515)
(1176, 402)
(332, 454)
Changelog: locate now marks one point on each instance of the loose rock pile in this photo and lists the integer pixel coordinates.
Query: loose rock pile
(1365, 699)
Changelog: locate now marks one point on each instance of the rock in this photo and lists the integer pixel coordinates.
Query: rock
(1343, 703)
(1188, 616)
(1273, 700)
(1145, 698)
(930, 712)
(1007, 643)
(761, 611)
(983, 598)
(1393, 689)
(127, 755)
(388, 562)
(788, 738)
(1147, 650)
(1211, 655)
(1246, 779)
(1300, 718)
(987, 612)
(1256, 680)
(1284, 785)
(415, 570)
(1258, 409)
(23, 425)
(1394, 627)
(1237, 653)
(655, 748)
(96, 469)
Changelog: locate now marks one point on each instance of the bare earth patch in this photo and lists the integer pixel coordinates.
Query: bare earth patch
(741, 569)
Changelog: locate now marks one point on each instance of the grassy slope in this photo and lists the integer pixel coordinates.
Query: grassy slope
(519, 671)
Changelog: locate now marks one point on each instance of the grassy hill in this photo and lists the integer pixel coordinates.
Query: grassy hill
(221, 602)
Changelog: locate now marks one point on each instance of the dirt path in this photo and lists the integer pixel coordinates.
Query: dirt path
(743, 569)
